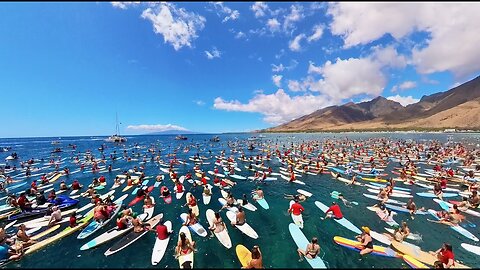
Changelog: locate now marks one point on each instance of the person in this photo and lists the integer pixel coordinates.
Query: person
(191, 218)
(404, 230)
(56, 216)
(244, 200)
(437, 190)
(138, 225)
(165, 192)
(99, 212)
(258, 194)
(412, 207)
(240, 217)
(23, 236)
(366, 241)
(438, 265)
(335, 209)
(206, 191)
(218, 224)
(162, 231)
(148, 203)
(179, 187)
(63, 186)
(383, 195)
(192, 202)
(90, 192)
(296, 208)
(24, 203)
(123, 222)
(474, 199)
(345, 201)
(73, 220)
(256, 261)
(184, 246)
(311, 251)
(445, 255)
(299, 197)
(40, 198)
(7, 253)
(76, 185)
(230, 201)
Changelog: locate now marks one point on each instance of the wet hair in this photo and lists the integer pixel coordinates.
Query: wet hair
(217, 214)
(255, 253)
(314, 240)
(448, 246)
(438, 265)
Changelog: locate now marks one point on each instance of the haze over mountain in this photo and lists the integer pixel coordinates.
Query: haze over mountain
(457, 108)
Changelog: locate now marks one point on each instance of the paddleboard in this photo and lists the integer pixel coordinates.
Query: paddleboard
(377, 250)
(185, 258)
(245, 228)
(160, 246)
(222, 236)
(244, 255)
(302, 242)
(197, 227)
(343, 221)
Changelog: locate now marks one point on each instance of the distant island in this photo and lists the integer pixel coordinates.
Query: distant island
(449, 111)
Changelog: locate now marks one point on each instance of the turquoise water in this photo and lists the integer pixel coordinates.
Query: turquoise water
(276, 244)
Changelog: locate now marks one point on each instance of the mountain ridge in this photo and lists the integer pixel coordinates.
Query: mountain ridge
(458, 107)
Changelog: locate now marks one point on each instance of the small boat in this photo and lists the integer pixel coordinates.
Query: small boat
(180, 137)
(215, 139)
(116, 138)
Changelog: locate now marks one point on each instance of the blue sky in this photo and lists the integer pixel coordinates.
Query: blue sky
(67, 68)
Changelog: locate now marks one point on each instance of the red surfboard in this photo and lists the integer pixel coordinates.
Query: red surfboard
(137, 199)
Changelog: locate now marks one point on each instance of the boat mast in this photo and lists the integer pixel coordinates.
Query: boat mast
(117, 129)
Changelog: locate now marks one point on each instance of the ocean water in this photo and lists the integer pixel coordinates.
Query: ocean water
(276, 244)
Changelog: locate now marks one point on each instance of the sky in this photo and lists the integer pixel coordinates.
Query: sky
(66, 69)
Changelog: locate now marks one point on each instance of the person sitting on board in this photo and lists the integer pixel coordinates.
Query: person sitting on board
(63, 186)
(336, 212)
(139, 226)
(23, 236)
(292, 176)
(192, 201)
(366, 241)
(90, 192)
(258, 194)
(76, 185)
(179, 187)
(55, 216)
(141, 192)
(165, 192)
(161, 231)
(445, 255)
(473, 187)
(24, 203)
(383, 195)
(240, 217)
(296, 208)
(191, 219)
(218, 224)
(474, 199)
(206, 191)
(148, 203)
(311, 251)
(437, 190)
(123, 222)
(455, 212)
(184, 246)
(446, 218)
(102, 179)
(256, 261)
(230, 201)
(354, 178)
(73, 219)
(8, 253)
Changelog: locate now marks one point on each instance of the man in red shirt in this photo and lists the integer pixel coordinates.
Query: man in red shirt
(162, 231)
(446, 256)
(23, 203)
(335, 209)
(296, 208)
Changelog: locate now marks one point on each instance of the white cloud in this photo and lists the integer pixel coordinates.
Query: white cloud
(157, 127)
(259, 8)
(388, 56)
(231, 14)
(296, 86)
(276, 108)
(281, 67)
(124, 5)
(273, 25)
(295, 15)
(317, 33)
(199, 102)
(404, 100)
(452, 42)
(240, 34)
(314, 69)
(277, 80)
(408, 85)
(178, 26)
(278, 68)
(213, 54)
(294, 44)
(280, 54)
(347, 78)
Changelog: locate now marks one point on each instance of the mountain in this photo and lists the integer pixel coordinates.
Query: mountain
(457, 108)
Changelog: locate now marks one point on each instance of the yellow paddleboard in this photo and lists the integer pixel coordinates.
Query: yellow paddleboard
(414, 263)
(69, 230)
(199, 175)
(134, 183)
(47, 231)
(374, 180)
(55, 178)
(244, 255)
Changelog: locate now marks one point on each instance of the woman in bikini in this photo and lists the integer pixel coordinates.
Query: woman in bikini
(311, 252)
(184, 246)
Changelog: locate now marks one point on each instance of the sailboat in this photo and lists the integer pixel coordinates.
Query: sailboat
(116, 138)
